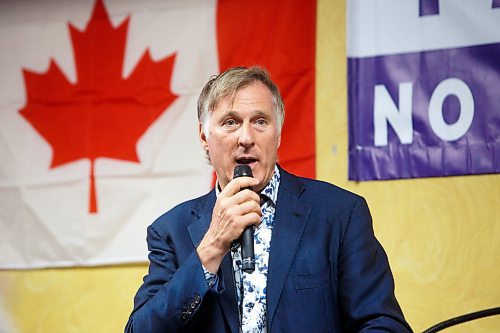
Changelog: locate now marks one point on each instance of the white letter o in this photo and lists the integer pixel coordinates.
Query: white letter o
(457, 87)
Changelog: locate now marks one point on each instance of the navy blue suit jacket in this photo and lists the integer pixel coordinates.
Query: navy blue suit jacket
(327, 271)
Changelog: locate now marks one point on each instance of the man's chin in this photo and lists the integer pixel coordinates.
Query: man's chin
(262, 183)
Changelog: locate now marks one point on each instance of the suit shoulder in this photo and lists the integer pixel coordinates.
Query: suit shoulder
(316, 190)
(331, 200)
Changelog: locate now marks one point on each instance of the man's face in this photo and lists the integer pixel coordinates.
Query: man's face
(244, 132)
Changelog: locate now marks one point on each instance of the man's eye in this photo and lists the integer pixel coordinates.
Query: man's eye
(261, 122)
(229, 122)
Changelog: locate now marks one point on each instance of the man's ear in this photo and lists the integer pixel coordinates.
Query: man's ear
(203, 137)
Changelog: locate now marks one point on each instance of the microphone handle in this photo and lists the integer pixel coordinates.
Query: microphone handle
(247, 251)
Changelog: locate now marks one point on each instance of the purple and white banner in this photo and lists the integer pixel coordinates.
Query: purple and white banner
(423, 88)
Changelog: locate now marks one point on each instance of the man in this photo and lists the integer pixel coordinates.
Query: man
(319, 267)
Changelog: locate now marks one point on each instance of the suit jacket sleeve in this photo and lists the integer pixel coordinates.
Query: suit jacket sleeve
(366, 285)
(171, 293)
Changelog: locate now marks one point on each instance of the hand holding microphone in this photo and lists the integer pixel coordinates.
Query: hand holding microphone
(237, 209)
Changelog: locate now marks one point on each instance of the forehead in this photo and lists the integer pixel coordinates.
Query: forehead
(254, 96)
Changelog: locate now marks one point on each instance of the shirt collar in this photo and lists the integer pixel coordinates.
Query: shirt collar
(271, 189)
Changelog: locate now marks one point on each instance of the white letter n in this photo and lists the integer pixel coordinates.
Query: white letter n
(385, 111)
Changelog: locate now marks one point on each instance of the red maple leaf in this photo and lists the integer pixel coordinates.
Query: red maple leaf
(102, 115)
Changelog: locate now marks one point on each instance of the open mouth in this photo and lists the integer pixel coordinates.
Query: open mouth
(246, 160)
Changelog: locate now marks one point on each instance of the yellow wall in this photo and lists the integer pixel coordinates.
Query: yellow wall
(442, 235)
(89, 300)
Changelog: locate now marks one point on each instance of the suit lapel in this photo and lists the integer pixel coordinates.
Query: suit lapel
(289, 224)
(196, 231)
(227, 299)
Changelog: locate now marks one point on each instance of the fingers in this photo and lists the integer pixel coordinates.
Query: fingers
(234, 211)
(246, 213)
(235, 185)
(242, 203)
(245, 196)
(240, 210)
(235, 226)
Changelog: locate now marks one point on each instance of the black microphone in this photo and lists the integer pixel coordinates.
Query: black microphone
(246, 239)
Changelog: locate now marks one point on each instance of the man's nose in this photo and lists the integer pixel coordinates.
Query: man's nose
(246, 138)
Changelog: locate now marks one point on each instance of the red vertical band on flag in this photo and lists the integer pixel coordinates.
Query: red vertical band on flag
(92, 195)
(280, 36)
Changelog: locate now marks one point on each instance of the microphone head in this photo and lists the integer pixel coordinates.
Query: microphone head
(242, 170)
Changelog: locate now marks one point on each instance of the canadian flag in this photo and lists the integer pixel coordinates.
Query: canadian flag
(98, 126)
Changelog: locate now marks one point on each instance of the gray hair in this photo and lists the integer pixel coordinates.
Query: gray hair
(227, 83)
